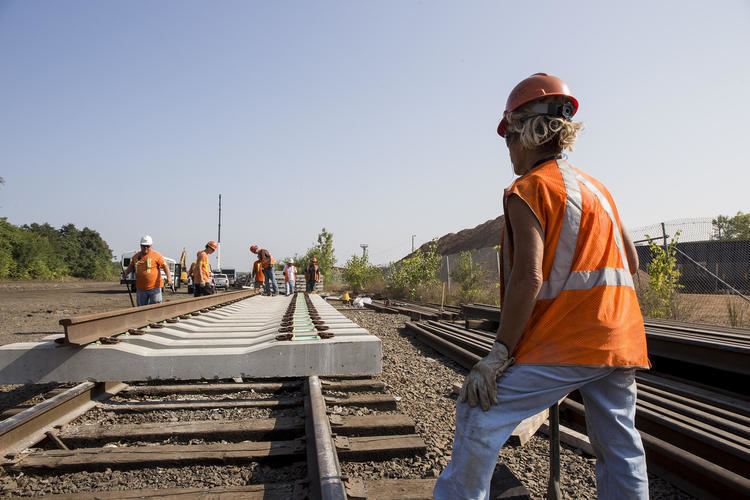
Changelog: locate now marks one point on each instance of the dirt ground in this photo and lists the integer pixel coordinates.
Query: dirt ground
(31, 310)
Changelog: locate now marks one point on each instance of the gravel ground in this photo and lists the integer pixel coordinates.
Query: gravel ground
(423, 378)
(196, 476)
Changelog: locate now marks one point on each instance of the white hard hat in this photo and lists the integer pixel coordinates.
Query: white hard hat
(291, 261)
(147, 240)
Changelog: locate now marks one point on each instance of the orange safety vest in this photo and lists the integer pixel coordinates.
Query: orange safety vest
(586, 312)
(202, 269)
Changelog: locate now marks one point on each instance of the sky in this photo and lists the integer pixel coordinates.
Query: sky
(375, 120)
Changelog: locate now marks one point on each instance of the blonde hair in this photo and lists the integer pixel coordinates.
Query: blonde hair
(535, 130)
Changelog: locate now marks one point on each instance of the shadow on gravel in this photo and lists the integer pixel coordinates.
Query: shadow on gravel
(108, 291)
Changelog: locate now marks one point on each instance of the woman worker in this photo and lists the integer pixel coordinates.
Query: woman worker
(570, 316)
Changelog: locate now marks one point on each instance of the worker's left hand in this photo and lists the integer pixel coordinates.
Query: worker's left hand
(480, 386)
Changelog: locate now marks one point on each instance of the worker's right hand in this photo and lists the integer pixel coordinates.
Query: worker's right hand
(480, 386)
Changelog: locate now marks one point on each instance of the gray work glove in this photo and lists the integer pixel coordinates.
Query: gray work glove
(480, 386)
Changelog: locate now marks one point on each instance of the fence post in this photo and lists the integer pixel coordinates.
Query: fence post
(664, 235)
(448, 267)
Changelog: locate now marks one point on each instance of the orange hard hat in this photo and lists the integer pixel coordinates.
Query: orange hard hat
(212, 244)
(538, 86)
(254, 248)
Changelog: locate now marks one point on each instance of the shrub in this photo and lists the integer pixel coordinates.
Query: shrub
(409, 277)
(359, 273)
(469, 276)
(659, 298)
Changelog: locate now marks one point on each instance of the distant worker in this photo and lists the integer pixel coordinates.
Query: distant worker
(257, 274)
(148, 264)
(290, 277)
(312, 275)
(271, 287)
(571, 319)
(346, 298)
(202, 275)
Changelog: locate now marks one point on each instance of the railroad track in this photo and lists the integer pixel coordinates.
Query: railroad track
(719, 348)
(306, 422)
(696, 437)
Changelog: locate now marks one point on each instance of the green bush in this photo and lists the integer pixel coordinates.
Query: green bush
(359, 273)
(658, 299)
(469, 276)
(409, 277)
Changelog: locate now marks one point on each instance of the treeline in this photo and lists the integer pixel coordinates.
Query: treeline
(40, 251)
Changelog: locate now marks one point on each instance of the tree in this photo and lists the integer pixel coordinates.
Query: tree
(469, 276)
(359, 272)
(323, 250)
(418, 270)
(39, 251)
(658, 299)
(731, 228)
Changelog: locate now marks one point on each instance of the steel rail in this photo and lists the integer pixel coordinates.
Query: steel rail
(84, 329)
(30, 426)
(324, 470)
(713, 347)
(461, 356)
(693, 474)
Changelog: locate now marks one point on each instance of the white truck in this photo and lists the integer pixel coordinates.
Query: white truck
(221, 280)
(129, 280)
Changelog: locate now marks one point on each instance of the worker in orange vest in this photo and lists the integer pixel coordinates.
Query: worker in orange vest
(148, 264)
(202, 275)
(570, 316)
(271, 287)
(258, 274)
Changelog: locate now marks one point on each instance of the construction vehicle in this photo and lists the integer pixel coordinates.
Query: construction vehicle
(183, 267)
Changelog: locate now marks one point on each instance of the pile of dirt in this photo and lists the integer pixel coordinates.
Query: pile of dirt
(484, 235)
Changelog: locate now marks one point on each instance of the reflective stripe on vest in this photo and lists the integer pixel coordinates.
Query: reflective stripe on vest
(561, 275)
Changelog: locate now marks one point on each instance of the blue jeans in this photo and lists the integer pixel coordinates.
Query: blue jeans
(609, 396)
(270, 284)
(146, 297)
(290, 285)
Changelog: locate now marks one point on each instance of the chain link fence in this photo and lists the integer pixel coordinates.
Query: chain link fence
(713, 273)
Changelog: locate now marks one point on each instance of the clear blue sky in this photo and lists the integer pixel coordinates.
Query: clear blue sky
(374, 119)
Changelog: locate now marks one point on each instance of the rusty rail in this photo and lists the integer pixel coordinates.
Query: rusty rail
(31, 425)
(89, 328)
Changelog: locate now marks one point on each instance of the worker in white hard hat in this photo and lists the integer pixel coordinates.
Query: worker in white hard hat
(147, 264)
(290, 277)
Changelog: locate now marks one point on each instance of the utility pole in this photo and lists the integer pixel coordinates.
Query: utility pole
(412, 242)
(218, 241)
(364, 249)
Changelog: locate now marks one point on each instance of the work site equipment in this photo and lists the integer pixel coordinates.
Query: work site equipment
(130, 294)
(183, 266)
(147, 240)
(538, 86)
